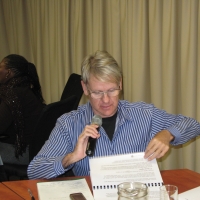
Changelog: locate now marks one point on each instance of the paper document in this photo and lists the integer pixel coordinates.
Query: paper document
(192, 194)
(60, 190)
(107, 172)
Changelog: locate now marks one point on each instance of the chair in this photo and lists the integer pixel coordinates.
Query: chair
(47, 121)
(73, 87)
(15, 171)
(3, 176)
(43, 128)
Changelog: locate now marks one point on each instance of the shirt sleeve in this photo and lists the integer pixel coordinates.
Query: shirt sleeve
(48, 162)
(181, 127)
(185, 130)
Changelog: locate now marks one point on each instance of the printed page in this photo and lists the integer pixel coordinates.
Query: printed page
(60, 190)
(192, 194)
(107, 172)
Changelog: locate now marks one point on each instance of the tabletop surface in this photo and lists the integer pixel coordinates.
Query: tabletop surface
(183, 178)
(6, 192)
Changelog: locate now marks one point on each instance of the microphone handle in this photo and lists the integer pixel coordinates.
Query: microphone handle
(91, 145)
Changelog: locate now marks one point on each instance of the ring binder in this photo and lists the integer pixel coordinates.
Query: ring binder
(109, 171)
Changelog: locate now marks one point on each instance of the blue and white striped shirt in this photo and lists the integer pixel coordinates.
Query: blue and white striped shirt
(136, 125)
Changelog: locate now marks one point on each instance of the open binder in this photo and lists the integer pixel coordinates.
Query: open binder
(107, 172)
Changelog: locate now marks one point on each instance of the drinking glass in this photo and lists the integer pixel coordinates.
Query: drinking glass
(132, 190)
(168, 192)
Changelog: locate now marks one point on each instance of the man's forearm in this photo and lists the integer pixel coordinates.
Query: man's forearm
(68, 160)
(45, 168)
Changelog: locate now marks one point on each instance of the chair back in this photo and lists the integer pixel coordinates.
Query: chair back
(3, 176)
(73, 87)
(47, 121)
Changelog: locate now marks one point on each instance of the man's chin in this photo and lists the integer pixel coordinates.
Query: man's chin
(107, 114)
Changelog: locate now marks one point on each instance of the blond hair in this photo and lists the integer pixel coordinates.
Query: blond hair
(102, 66)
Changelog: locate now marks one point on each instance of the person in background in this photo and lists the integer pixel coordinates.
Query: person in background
(21, 103)
(126, 128)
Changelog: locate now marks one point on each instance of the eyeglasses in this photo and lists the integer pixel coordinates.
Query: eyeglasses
(100, 94)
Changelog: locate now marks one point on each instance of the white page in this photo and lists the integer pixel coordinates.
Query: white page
(60, 190)
(192, 194)
(107, 172)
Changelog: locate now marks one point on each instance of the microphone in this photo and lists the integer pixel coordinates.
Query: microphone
(92, 141)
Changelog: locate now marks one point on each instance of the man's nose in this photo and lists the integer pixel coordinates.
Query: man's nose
(105, 97)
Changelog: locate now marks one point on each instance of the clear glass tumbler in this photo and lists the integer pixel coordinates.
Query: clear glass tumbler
(132, 190)
(168, 192)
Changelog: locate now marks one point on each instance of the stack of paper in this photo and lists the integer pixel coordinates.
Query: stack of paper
(60, 190)
(192, 194)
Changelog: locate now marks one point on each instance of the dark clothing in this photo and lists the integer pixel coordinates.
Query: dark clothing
(31, 107)
(21, 104)
(109, 125)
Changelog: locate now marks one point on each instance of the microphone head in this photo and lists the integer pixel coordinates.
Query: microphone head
(97, 120)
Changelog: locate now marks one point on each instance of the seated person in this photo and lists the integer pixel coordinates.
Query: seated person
(126, 128)
(21, 103)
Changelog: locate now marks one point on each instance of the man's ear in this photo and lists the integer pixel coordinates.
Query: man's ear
(120, 84)
(85, 90)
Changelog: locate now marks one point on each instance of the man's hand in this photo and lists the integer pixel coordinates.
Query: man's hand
(89, 131)
(159, 145)
(79, 151)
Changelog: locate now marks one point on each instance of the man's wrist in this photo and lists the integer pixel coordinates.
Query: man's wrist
(171, 137)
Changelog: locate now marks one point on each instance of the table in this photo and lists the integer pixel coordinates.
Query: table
(21, 187)
(8, 193)
(185, 179)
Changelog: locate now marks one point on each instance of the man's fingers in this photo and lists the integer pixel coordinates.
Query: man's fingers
(151, 148)
(156, 153)
(90, 131)
(149, 153)
(159, 145)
